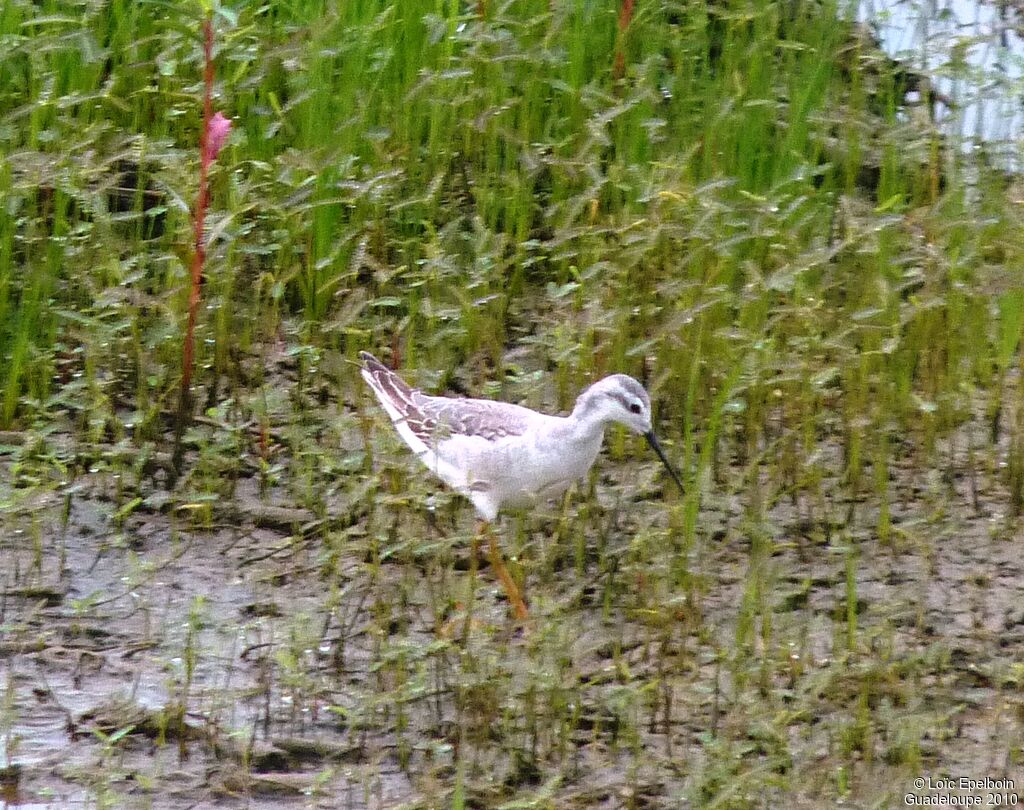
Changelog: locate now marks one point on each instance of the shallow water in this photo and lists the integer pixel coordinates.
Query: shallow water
(974, 55)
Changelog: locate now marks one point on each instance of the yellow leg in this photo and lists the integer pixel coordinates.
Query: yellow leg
(515, 597)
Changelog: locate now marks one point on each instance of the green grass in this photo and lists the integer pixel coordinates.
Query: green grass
(822, 295)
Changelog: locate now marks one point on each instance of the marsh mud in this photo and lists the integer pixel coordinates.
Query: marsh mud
(249, 650)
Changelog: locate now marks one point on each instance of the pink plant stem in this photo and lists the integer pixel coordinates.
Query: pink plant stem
(199, 218)
(199, 254)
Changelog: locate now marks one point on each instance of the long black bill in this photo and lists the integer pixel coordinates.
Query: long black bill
(652, 440)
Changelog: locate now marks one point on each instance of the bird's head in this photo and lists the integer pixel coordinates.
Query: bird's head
(620, 398)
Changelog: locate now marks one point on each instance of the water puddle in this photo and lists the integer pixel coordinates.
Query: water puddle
(973, 53)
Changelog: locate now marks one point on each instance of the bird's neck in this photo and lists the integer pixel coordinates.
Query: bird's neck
(587, 422)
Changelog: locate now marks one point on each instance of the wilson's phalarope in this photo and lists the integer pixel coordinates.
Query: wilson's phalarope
(498, 454)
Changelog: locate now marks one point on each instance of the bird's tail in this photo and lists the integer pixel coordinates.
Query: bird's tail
(393, 392)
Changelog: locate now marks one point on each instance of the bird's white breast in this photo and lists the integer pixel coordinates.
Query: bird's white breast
(516, 470)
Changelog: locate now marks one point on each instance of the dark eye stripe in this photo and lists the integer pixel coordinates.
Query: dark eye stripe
(620, 398)
(624, 401)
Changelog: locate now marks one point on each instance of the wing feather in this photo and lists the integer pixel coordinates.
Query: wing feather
(432, 419)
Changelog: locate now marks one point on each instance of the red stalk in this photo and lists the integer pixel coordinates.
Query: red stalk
(199, 253)
(625, 18)
(202, 203)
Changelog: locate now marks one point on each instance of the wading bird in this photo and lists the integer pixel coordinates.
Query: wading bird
(498, 454)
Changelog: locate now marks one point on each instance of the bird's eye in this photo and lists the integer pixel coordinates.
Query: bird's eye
(635, 408)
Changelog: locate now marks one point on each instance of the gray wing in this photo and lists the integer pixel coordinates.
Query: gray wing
(446, 416)
(432, 419)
